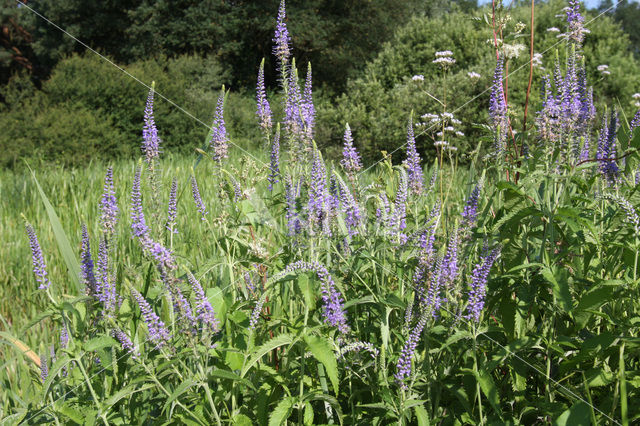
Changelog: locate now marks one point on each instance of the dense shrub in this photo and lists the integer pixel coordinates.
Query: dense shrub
(89, 109)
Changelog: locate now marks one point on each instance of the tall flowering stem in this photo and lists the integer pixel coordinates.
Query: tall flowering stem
(478, 289)
(351, 161)
(172, 212)
(197, 198)
(498, 110)
(204, 311)
(219, 140)
(39, 265)
(150, 139)
(109, 205)
(414, 168)
(264, 110)
(281, 50)
(308, 109)
(404, 366)
(317, 205)
(158, 332)
(88, 275)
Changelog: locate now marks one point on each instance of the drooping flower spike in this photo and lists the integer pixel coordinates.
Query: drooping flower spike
(39, 265)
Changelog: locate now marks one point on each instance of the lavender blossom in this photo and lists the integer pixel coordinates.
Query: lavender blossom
(255, 313)
(44, 368)
(630, 212)
(88, 276)
(498, 110)
(160, 253)
(405, 361)
(204, 311)
(39, 266)
(219, 140)
(333, 310)
(294, 121)
(281, 49)
(353, 216)
(479, 284)
(158, 333)
(470, 211)
(397, 221)
(274, 168)
(196, 197)
(109, 205)
(607, 148)
(450, 261)
(150, 139)
(575, 21)
(138, 223)
(64, 336)
(350, 157)
(106, 288)
(126, 343)
(307, 108)
(358, 346)
(173, 207)
(264, 110)
(414, 169)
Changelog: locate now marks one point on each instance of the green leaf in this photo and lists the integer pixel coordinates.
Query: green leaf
(308, 413)
(283, 339)
(68, 255)
(321, 350)
(421, 415)
(490, 391)
(99, 343)
(560, 288)
(182, 388)
(228, 375)
(281, 412)
(577, 415)
(123, 393)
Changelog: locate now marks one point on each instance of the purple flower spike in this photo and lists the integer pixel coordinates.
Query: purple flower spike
(635, 122)
(470, 211)
(88, 276)
(264, 110)
(44, 368)
(317, 205)
(138, 223)
(255, 313)
(150, 139)
(308, 109)
(106, 289)
(405, 362)
(575, 20)
(39, 266)
(397, 220)
(350, 157)
(607, 148)
(281, 49)
(64, 336)
(450, 261)
(204, 311)
(274, 168)
(334, 313)
(414, 169)
(196, 197)
(479, 285)
(498, 110)
(109, 205)
(126, 343)
(158, 333)
(173, 207)
(294, 121)
(219, 140)
(293, 220)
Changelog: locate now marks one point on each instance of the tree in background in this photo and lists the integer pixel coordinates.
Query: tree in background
(627, 14)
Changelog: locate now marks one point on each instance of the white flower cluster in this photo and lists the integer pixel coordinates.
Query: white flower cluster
(444, 59)
(473, 75)
(443, 125)
(636, 98)
(418, 77)
(512, 51)
(553, 30)
(537, 61)
(604, 70)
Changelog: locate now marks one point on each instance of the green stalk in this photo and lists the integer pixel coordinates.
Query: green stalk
(93, 393)
(623, 389)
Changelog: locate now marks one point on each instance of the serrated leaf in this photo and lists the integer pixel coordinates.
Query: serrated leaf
(488, 387)
(283, 339)
(281, 412)
(322, 351)
(421, 415)
(228, 375)
(560, 289)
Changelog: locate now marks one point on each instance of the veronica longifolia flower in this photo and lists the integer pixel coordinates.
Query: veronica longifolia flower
(109, 204)
(479, 284)
(106, 288)
(158, 333)
(414, 169)
(126, 343)
(138, 223)
(397, 220)
(264, 110)
(317, 204)
(635, 122)
(607, 148)
(88, 276)
(350, 157)
(197, 198)
(219, 140)
(470, 211)
(307, 107)
(498, 110)
(150, 139)
(575, 21)
(204, 311)
(293, 221)
(173, 206)
(281, 49)
(44, 368)
(39, 266)
(405, 361)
